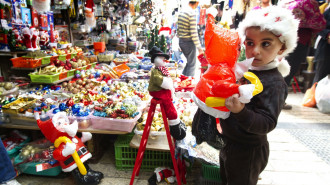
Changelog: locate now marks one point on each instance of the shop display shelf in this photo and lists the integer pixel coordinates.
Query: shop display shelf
(28, 69)
(21, 62)
(211, 172)
(125, 156)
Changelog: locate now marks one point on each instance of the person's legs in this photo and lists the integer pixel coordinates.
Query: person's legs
(322, 61)
(7, 171)
(242, 164)
(295, 59)
(189, 50)
(177, 56)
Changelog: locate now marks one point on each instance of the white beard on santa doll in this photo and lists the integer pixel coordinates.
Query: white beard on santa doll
(41, 5)
(90, 18)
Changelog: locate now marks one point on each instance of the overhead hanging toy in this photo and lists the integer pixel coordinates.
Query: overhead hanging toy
(219, 81)
(41, 5)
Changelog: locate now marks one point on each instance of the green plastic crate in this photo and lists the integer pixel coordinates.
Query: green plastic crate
(71, 72)
(211, 172)
(35, 78)
(30, 168)
(125, 156)
(45, 60)
(62, 58)
(73, 55)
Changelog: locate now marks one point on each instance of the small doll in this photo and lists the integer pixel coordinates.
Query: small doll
(70, 150)
(161, 87)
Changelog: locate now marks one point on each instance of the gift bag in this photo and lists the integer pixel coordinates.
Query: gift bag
(309, 97)
(322, 95)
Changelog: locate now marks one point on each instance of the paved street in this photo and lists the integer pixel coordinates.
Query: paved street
(299, 154)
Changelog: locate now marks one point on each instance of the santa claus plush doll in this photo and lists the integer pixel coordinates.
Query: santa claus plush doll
(161, 87)
(162, 173)
(41, 5)
(18, 37)
(35, 38)
(44, 39)
(89, 13)
(27, 38)
(70, 150)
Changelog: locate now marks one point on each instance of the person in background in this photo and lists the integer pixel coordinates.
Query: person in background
(322, 52)
(311, 22)
(188, 37)
(176, 56)
(7, 171)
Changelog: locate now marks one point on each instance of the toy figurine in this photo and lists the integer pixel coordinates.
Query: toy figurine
(161, 87)
(27, 38)
(18, 37)
(35, 38)
(70, 150)
(41, 5)
(162, 173)
(44, 39)
(219, 80)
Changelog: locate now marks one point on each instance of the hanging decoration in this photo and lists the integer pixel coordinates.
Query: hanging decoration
(89, 13)
(41, 5)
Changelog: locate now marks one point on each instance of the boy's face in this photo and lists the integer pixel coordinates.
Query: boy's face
(264, 46)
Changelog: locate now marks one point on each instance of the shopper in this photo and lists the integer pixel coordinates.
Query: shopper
(7, 172)
(188, 37)
(322, 54)
(246, 151)
(311, 21)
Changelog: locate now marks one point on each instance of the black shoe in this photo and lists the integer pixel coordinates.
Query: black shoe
(153, 180)
(94, 173)
(178, 131)
(287, 106)
(87, 179)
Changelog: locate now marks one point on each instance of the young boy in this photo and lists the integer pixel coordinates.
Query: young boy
(269, 34)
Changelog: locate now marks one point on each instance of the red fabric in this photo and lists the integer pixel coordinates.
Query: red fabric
(164, 70)
(166, 97)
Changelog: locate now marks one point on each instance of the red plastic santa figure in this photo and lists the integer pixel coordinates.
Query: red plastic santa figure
(219, 80)
(161, 87)
(70, 150)
(162, 173)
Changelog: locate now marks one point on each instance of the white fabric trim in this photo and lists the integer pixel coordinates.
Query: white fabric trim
(283, 66)
(211, 111)
(74, 166)
(270, 65)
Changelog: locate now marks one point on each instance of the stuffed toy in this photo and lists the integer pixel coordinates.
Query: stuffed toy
(41, 5)
(219, 80)
(162, 173)
(27, 38)
(89, 13)
(18, 37)
(161, 87)
(35, 38)
(70, 150)
(44, 39)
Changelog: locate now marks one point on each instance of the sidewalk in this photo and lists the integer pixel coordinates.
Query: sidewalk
(293, 157)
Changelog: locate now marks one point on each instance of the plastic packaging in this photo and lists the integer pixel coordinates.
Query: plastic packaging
(322, 95)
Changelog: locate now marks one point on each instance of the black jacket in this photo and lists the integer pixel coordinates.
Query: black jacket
(259, 117)
(251, 125)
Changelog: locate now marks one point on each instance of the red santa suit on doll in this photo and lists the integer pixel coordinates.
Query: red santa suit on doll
(60, 126)
(219, 81)
(35, 38)
(27, 37)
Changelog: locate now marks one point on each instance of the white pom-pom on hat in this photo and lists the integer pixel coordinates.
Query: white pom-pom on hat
(279, 21)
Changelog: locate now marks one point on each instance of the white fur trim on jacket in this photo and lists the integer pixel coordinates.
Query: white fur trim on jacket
(279, 21)
(167, 83)
(209, 110)
(283, 67)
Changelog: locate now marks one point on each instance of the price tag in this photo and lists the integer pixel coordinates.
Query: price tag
(4, 23)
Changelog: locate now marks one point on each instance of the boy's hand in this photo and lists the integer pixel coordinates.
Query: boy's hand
(233, 104)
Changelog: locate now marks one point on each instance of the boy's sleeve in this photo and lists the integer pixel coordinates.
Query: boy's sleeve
(260, 116)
